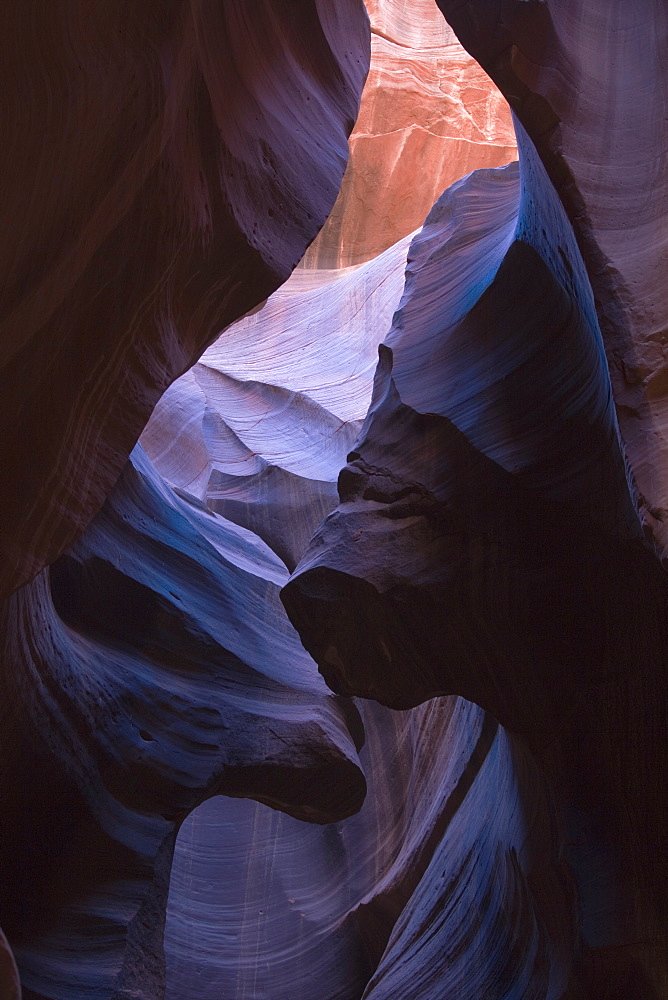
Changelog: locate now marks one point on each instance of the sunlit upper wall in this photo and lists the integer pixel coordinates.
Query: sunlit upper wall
(417, 24)
(429, 115)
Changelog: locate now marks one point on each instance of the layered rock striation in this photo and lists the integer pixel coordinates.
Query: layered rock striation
(336, 909)
(448, 882)
(587, 80)
(168, 166)
(260, 427)
(429, 115)
(469, 521)
(151, 666)
(487, 543)
(488, 464)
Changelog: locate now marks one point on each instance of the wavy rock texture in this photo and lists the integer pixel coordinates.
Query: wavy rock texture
(488, 422)
(261, 904)
(10, 986)
(588, 82)
(426, 104)
(382, 904)
(156, 653)
(261, 426)
(148, 668)
(168, 166)
(486, 541)
(165, 170)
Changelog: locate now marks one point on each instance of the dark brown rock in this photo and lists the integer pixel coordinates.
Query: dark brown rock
(168, 166)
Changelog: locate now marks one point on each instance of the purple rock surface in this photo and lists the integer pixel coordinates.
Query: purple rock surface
(335, 630)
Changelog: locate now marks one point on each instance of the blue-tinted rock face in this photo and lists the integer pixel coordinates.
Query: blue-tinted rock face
(155, 666)
(487, 544)
(351, 683)
(486, 522)
(586, 81)
(447, 882)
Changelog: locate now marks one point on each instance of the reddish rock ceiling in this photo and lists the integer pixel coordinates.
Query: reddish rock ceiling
(426, 102)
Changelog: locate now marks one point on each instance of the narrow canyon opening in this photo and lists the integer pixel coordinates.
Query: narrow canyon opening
(334, 639)
(258, 430)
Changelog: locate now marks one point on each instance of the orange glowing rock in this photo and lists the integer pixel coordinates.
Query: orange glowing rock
(429, 115)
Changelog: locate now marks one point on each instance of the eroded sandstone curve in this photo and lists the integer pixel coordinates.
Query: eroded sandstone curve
(588, 81)
(487, 543)
(261, 426)
(491, 442)
(458, 832)
(148, 668)
(168, 166)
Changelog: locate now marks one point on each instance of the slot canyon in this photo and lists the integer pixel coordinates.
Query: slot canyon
(334, 500)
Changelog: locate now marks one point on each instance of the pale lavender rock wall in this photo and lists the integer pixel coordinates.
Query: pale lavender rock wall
(448, 883)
